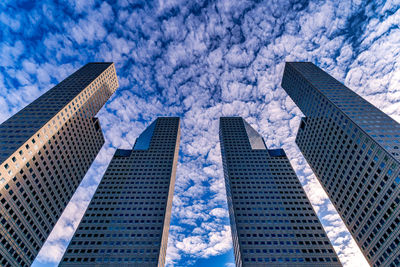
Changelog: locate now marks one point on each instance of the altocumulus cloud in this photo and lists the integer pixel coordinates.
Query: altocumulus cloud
(199, 60)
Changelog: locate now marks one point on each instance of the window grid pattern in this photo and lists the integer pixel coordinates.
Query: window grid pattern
(272, 220)
(127, 221)
(359, 174)
(42, 180)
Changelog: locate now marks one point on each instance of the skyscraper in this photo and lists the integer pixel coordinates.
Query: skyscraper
(353, 149)
(272, 220)
(127, 221)
(46, 149)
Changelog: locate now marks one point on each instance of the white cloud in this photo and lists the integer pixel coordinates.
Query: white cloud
(219, 212)
(205, 246)
(201, 61)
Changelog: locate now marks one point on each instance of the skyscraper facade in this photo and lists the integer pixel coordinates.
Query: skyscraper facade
(127, 221)
(272, 220)
(46, 149)
(353, 149)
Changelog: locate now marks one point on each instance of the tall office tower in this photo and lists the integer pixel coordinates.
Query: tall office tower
(353, 149)
(45, 151)
(272, 220)
(127, 221)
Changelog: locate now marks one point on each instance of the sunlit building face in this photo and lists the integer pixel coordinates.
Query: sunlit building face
(45, 151)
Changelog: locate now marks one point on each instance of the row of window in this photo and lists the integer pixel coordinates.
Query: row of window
(111, 260)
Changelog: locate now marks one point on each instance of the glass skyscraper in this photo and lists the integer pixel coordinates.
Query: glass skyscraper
(127, 221)
(45, 151)
(353, 149)
(272, 220)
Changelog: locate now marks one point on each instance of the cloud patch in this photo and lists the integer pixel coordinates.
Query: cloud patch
(199, 60)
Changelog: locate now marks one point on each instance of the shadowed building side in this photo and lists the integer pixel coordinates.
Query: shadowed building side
(127, 221)
(353, 149)
(46, 150)
(272, 220)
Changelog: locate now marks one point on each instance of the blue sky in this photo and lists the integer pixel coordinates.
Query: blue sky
(199, 60)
